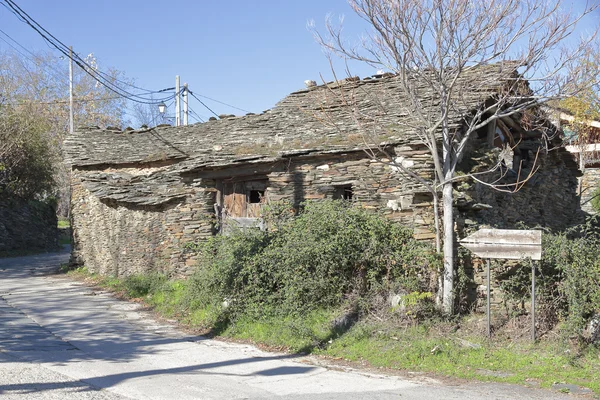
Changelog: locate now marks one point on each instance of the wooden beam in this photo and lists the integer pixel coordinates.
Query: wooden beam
(491, 133)
(247, 170)
(514, 125)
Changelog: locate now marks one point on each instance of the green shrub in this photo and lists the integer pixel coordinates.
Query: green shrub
(596, 199)
(330, 253)
(219, 278)
(567, 279)
(141, 285)
(579, 280)
(28, 158)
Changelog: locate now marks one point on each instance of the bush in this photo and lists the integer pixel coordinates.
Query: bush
(596, 199)
(567, 279)
(330, 253)
(141, 285)
(578, 280)
(27, 155)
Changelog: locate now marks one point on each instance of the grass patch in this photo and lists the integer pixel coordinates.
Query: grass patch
(64, 223)
(330, 278)
(434, 346)
(291, 333)
(422, 349)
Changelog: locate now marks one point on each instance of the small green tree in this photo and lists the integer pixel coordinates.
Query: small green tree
(28, 158)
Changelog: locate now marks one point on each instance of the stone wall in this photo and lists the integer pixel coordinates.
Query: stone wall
(117, 238)
(549, 200)
(375, 185)
(27, 226)
(588, 183)
(121, 238)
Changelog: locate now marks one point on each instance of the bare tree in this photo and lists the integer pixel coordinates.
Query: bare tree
(148, 115)
(434, 46)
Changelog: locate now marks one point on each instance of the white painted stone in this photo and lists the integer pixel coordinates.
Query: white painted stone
(405, 202)
(406, 163)
(393, 204)
(324, 167)
(395, 300)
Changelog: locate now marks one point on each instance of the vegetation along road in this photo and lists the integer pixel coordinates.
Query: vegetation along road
(61, 339)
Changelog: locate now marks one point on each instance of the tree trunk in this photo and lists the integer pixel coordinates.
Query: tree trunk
(448, 298)
(438, 247)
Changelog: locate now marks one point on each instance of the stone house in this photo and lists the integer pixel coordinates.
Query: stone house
(138, 196)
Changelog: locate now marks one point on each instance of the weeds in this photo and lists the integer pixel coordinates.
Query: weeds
(343, 283)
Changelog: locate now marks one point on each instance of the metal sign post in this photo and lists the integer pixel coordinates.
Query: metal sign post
(532, 300)
(489, 328)
(508, 244)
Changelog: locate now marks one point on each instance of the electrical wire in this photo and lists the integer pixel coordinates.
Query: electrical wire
(197, 117)
(75, 100)
(101, 77)
(225, 104)
(60, 75)
(201, 102)
(104, 79)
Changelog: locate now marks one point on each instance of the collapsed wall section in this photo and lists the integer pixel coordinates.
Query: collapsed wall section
(588, 183)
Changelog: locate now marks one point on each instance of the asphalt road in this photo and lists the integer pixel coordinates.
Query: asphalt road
(62, 340)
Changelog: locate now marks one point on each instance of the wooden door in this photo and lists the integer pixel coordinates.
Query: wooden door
(242, 199)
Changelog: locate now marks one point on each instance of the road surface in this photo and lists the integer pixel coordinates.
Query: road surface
(60, 339)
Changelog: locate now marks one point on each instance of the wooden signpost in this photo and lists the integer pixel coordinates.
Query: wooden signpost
(509, 244)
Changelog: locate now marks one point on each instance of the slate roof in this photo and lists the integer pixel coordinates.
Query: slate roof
(315, 120)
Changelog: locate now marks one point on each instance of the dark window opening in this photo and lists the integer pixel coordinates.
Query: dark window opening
(343, 193)
(256, 196)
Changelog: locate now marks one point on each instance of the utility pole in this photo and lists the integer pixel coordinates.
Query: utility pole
(177, 102)
(185, 104)
(71, 90)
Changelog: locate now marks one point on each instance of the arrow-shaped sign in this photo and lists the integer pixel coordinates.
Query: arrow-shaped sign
(510, 244)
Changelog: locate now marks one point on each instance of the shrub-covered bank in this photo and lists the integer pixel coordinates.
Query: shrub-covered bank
(331, 256)
(342, 282)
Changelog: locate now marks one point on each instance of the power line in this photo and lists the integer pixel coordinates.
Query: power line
(60, 75)
(225, 104)
(197, 117)
(98, 75)
(104, 79)
(201, 102)
(74, 100)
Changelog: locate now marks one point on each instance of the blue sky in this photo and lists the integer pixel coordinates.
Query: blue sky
(248, 53)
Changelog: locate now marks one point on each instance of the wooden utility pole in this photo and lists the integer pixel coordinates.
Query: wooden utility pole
(185, 104)
(71, 128)
(177, 102)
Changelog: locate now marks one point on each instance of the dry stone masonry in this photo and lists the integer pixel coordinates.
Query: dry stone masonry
(139, 196)
(27, 226)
